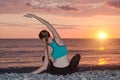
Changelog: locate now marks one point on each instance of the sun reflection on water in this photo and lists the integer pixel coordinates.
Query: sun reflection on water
(101, 61)
(102, 48)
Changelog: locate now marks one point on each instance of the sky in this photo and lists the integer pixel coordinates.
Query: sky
(71, 18)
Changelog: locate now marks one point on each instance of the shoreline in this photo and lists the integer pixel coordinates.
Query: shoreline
(81, 68)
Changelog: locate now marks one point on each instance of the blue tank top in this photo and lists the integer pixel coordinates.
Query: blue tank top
(58, 51)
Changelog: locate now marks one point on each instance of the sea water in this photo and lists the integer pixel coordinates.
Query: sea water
(28, 52)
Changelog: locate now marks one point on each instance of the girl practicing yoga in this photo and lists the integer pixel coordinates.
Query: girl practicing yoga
(55, 60)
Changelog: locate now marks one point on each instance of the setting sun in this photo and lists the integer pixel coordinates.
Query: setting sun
(102, 35)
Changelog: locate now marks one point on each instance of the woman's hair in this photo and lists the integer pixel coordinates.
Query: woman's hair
(44, 34)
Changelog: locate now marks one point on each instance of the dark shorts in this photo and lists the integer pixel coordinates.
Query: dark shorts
(66, 70)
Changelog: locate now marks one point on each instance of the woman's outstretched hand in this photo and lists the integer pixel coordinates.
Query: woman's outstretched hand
(29, 15)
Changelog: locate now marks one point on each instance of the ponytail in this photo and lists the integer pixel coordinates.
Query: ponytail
(47, 48)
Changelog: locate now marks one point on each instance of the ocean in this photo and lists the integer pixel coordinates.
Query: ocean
(28, 52)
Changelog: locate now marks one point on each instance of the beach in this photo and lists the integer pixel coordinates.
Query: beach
(99, 60)
(50, 35)
(104, 72)
(88, 75)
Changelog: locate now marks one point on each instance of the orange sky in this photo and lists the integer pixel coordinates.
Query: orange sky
(71, 18)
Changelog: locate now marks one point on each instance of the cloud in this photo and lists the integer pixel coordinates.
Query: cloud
(12, 6)
(59, 7)
(39, 26)
(62, 26)
(67, 7)
(114, 3)
(36, 4)
(14, 24)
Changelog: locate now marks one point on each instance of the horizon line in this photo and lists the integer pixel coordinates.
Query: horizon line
(61, 38)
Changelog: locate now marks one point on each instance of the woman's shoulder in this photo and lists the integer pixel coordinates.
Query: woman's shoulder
(59, 42)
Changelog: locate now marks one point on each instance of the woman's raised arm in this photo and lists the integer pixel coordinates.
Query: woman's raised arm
(49, 26)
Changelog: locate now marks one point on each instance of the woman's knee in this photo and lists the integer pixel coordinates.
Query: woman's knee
(77, 57)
